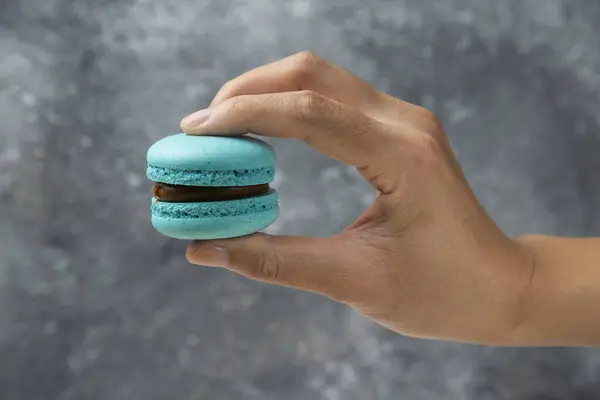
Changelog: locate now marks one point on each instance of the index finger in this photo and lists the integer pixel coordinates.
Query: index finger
(326, 125)
(303, 71)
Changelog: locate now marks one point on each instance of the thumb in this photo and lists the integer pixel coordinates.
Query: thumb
(312, 264)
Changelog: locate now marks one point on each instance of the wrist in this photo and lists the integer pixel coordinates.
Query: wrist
(520, 330)
(560, 305)
(513, 293)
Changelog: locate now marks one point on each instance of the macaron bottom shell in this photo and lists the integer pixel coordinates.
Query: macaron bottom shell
(215, 228)
(215, 220)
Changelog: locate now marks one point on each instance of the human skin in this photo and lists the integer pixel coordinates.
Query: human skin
(425, 260)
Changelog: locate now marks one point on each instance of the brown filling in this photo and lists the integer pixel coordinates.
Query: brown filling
(190, 194)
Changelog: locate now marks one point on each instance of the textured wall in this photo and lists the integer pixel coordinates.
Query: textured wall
(95, 305)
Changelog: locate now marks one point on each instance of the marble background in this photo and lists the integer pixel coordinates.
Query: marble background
(95, 305)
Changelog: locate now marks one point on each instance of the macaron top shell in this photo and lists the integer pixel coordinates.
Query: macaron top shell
(211, 161)
(211, 153)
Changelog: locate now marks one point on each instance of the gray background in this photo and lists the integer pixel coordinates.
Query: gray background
(95, 305)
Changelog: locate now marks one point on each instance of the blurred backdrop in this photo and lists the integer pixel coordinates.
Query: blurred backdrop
(95, 305)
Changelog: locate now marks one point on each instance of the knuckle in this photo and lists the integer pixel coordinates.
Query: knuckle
(311, 105)
(426, 113)
(306, 64)
(427, 150)
(236, 104)
(268, 267)
(230, 88)
(307, 59)
(430, 120)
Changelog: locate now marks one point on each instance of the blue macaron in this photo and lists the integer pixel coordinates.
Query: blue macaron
(212, 187)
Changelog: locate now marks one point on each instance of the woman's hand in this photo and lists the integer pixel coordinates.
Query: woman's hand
(425, 259)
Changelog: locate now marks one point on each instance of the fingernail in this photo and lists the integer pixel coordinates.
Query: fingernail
(209, 255)
(196, 119)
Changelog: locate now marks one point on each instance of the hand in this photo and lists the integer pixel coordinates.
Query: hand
(425, 259)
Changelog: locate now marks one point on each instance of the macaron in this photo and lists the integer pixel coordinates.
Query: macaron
(212, 187)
